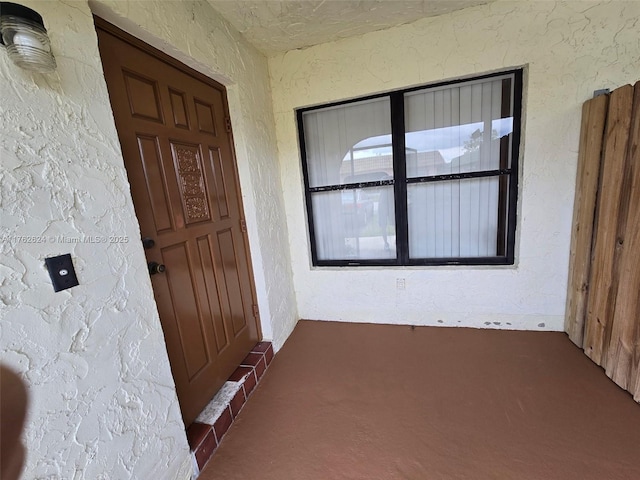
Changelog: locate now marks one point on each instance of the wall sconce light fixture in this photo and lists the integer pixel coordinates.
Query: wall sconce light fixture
(22, 32)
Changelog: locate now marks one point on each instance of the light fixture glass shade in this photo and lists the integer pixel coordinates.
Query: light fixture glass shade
(22, 31)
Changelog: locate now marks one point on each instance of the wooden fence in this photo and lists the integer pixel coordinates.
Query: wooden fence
(603, 302)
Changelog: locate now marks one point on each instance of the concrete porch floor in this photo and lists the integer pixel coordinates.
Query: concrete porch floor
(361, 401)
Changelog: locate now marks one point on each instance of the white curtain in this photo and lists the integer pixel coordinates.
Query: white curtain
(449, 130)
(351, 144)
(454, 130)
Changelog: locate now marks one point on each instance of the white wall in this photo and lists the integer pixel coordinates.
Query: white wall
(569, 49)
(103, 403)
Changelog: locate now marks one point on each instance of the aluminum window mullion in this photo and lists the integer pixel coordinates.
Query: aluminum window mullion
(516, 96)
(307, 192)
(400, 175)
(351, 186)
(459, 176)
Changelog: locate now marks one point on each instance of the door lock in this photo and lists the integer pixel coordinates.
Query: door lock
(148, 243)
(155, 267)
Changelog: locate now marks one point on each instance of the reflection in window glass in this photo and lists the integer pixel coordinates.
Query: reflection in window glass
(448, 169)
(357, 223)
(334, 140)
(368, 164)
(456, 130)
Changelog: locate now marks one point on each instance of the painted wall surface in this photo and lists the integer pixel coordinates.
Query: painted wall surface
(103, 402)
(569, 49)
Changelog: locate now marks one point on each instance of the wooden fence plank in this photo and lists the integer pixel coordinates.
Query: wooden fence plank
(603, 281)
(594, 115)
(634, 386)
(623, 351)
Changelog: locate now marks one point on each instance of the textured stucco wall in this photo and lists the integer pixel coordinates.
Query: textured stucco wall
(103, 402)
(570, 49)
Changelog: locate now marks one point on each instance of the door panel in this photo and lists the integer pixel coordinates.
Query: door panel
(229, 265)
(179, 158)
(144, 99)
(212, 292)
(155, 182)
(186, 311)
(218, 182)
(179, 108)
(204, 112)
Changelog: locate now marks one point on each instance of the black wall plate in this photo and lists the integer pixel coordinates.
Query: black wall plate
(61, 271)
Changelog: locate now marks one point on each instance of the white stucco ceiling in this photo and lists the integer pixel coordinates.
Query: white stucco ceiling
(279, 25)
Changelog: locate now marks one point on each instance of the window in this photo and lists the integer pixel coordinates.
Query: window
(423, 176)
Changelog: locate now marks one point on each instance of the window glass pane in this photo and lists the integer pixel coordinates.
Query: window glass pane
(354, 224)
(458, 218)
(461, 129)
(349, 144)
(458, 129)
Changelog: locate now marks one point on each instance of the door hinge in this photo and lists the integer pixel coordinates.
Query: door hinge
(227, 121)
(256, 312)
(243, 225)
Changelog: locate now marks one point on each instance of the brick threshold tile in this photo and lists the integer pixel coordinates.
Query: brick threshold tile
(206, 433)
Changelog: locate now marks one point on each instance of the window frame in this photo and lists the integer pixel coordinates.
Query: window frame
(400, 181)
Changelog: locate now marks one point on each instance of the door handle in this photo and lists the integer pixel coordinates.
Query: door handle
(155, 267)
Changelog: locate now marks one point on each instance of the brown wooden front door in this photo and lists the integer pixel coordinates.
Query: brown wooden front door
(176, 140)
